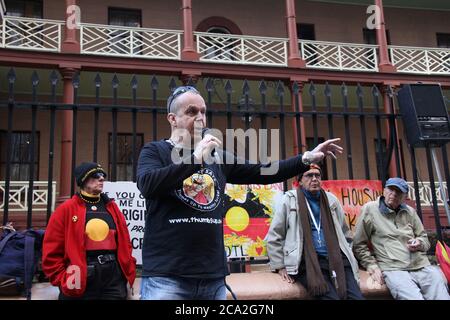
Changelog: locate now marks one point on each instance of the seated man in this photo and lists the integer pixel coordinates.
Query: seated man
(307, 242)
(399, 245)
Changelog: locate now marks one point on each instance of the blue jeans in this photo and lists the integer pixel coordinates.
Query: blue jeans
(180, 288)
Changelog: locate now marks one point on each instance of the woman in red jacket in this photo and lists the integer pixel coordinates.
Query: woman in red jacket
(87, 248)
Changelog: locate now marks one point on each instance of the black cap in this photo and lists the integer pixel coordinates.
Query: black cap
(84, 170)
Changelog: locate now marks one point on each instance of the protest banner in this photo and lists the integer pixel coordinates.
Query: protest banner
(249, 211)
(353, 194)
(248, 214)
(132, 205)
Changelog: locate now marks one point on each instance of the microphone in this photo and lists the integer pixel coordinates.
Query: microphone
(214, 153)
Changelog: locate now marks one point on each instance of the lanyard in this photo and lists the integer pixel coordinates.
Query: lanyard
(312, 217)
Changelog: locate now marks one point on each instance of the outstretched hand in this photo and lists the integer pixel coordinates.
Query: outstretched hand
(327, 148)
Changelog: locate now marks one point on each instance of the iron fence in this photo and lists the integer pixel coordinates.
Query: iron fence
(355, 122)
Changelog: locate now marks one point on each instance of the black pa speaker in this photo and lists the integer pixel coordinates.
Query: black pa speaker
(424, 114)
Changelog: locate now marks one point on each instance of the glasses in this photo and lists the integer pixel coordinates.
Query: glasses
(397, 191)
(313, 175)
(178, 92)
(98, 175)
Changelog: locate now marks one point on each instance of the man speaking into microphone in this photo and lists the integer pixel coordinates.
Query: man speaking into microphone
(183, 252)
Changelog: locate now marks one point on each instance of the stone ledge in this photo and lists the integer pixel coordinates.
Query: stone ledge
(266, 285)
(260, 285)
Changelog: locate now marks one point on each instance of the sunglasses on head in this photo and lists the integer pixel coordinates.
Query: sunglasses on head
(178, 92)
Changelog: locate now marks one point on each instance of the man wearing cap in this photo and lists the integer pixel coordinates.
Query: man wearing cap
(87, 248)
(309, 241)
(399, 245)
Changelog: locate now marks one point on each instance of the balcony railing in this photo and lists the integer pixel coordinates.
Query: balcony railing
(18, 195)
(421, 60)
(340, 56)
(426, 199)
(225, 48)
(46, 35)
(31, 34)
(130, 42)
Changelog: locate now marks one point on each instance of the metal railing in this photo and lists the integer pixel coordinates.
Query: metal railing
(31, 34)
(360, 127)
(18, 195)
(340, 56)
(46, 35)
(130, 42)
(236, 49)
(425, 194)
(421, 60)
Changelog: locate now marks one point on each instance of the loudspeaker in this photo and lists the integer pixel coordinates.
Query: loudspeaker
(424, 114)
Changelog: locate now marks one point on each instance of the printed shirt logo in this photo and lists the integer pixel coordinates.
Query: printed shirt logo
(200, 191)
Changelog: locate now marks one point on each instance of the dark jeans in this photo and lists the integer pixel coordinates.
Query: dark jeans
(353, 290)
(104, 282)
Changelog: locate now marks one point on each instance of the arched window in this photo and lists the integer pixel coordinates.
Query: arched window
(218, 29)
(221, 47)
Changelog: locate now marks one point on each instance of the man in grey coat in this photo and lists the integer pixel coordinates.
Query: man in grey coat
(309, 241)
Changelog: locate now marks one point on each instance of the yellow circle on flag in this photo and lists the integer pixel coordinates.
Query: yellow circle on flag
(97, 229)
(237, 218)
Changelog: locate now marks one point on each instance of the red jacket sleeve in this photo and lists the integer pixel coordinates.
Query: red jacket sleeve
(55, 260)
(53, 251)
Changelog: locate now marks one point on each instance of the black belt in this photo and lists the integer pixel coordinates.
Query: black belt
(101, 259)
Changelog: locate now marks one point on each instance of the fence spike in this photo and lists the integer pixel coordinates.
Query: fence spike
(34, 78)
(245, 88)
(375, 91)
(390, 91)
(312, 89)
(54, 78)
(154, 83)
(190, 82)
(263, 87)
(280, 88)
(76, 80)
(327, 90)
(98, 80)
(134, 82)
(295, 87)
(115, 81)
(359, 91)
(228, 87)
(209, 85)
(172, 84)
(12, 75)
(344, 90)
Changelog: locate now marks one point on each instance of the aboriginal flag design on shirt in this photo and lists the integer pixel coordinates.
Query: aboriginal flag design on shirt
(100, 229)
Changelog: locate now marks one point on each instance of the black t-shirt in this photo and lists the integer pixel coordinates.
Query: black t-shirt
(100, 229)
(185, 208)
